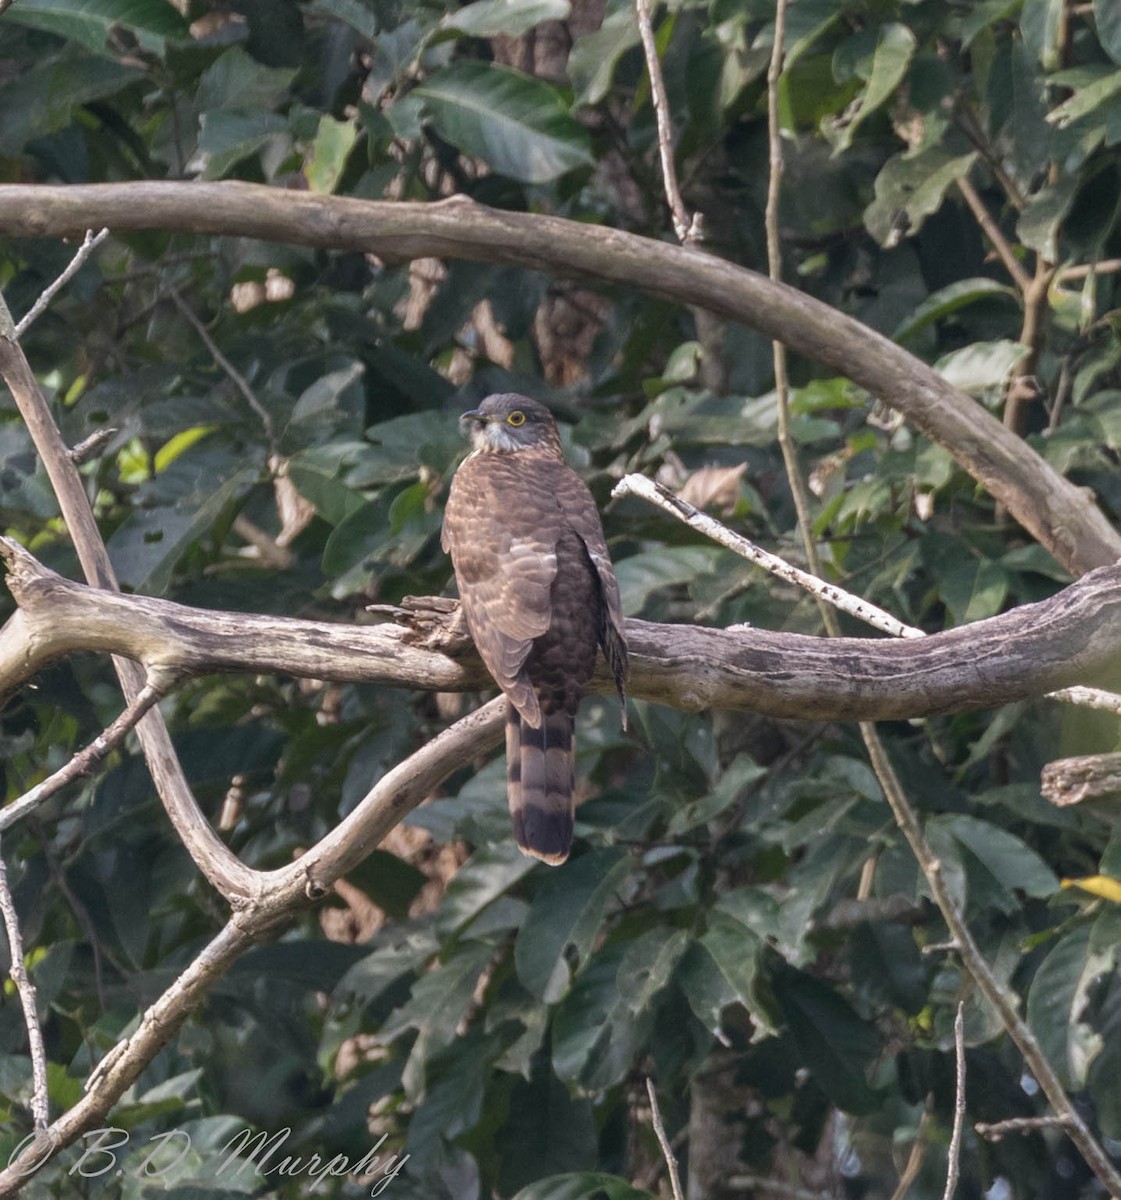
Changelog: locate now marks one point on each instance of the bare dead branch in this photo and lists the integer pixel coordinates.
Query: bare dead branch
(89, 446)
(1068, 781)
(655, 493)
(995, 1130)
(1074, 636)
(1062, 516)
(89, 244)
(40, 1109)
(85, 761)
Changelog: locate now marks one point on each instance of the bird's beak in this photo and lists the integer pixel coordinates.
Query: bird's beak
(473, 414)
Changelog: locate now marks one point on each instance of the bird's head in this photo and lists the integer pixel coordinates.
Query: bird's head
(510, 422)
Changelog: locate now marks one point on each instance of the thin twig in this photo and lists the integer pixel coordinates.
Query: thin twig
(1033, 335)
(88, 246)
(992, 231)
(998, 1129)
(794, 477)
(915, 1159)
(84, 762)
(1108, 266)
(682, 222)
(40, 1108)
(1089, 697)
(233, 374)
(953, 1167)
(90, 445)
(655, 493)
(664, 1142)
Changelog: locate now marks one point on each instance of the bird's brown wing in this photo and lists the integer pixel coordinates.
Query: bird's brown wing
(500, 528)
(582, 517)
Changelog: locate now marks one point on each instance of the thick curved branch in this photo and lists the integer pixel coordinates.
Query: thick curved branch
(1072, 638)
(1058, 514)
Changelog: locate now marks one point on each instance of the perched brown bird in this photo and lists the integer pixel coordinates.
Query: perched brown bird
(539, 595)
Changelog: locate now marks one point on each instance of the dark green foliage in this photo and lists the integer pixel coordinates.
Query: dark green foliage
(501, 1035)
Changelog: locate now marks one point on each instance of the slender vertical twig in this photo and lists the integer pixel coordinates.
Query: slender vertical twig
(798, 492)
(664, 1142)
(953, 1167)
(682, 222)
(40, 1108)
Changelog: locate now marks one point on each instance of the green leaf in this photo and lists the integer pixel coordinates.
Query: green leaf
(548, 1131)
(997, 864)
(947, 300)
(595, 1036)
(1107, 21)
(1041, 23)
(586, 1185)
(895, 46)
(315, 473)
(361, 17)
(1057, 1001)
(734, 950)
(390, 882)
(334, 141)
(648, 571)
(43, 99)
(1087, 97)
(565, 918)
(366, 980)
(595, 55)
(504, 18)
(648, 962)
(520, 126)
(736, 779)
(836, 1046)
(974, 589)
(1039, 223)
(149, 543)
(90, 22)
(440, 998)
(228, 137)
(982, 368)
(235, 80)
(489, 873)
(909, 188)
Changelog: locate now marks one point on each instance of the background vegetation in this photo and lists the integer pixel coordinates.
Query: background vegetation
(285, 431)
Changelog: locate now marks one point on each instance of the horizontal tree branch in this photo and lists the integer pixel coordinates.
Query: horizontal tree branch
(1061, 516)
(1072, 638)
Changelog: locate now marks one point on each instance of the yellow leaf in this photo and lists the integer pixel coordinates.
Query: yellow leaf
(1098, 885)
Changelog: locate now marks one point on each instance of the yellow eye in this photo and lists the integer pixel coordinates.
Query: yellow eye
(517, 417)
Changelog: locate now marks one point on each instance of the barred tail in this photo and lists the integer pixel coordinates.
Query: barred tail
(540, 767)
